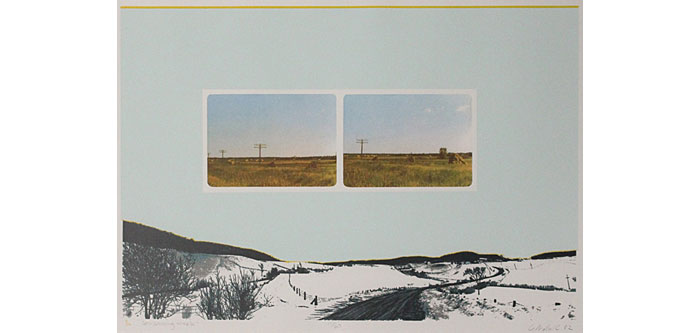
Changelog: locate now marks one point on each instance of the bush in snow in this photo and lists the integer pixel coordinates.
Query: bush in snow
(211, 299)
(155, 280)
(235, 297)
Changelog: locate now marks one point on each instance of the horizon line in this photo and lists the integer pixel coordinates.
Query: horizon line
(338, 261)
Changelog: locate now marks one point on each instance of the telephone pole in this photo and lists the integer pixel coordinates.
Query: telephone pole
(222, 153)
(362, 144)
(259, 147)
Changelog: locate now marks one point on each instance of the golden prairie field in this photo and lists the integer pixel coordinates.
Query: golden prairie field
(305, 171)
(406, 170)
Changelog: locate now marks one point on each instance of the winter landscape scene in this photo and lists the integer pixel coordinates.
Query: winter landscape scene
(172, 278)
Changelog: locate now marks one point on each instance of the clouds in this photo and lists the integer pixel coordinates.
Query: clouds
(404, 123)
(464, 108)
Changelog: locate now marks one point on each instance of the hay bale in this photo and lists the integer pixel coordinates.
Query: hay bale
(375, 158)
(230, 161)
(456, 158)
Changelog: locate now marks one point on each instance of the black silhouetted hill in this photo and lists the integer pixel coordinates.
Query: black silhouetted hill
(556, 254)
(145, 235)
(464, 256)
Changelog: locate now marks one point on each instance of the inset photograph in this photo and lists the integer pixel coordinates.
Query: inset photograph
(272, 140)
(408, 140)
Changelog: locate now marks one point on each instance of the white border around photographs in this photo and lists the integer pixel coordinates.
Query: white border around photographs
(339, 185)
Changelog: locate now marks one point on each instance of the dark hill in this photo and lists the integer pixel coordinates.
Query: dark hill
(145, 235)
(464, 256)
(557, 254)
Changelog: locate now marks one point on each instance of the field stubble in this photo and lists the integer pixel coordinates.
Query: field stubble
(405, 170)
(228, 172)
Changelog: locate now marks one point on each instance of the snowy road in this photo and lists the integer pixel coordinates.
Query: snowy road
(399, 305)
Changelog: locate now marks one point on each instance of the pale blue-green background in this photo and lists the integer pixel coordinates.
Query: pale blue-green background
(522, 62)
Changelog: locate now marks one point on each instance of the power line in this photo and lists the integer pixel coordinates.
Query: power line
(362, 144)
(259, 147)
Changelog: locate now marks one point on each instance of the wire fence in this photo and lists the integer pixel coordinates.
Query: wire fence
(308, 296)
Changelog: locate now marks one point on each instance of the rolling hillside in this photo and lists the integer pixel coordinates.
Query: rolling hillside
(145, 235)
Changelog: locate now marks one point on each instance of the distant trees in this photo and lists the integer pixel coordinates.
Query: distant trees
(476, 274)
(300, 269)
(234, 297)
(155, 280)
(272, 273)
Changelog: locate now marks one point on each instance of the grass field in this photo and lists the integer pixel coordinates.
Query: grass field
(306, 171)
(397, 170)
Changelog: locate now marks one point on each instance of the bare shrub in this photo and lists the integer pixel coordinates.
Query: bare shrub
(211, 299)
(156, 280)
(235, 297)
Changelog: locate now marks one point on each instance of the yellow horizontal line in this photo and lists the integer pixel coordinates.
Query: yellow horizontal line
(331, 7)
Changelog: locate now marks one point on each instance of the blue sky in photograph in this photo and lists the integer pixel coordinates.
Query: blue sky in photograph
(408, 123)
(290, 125)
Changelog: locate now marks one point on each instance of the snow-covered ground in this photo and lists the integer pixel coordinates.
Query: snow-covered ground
(524, 303)
(206, 265)
(543, 272)
(448, 272)
(346, 280)
(285, 304)
(334, 286)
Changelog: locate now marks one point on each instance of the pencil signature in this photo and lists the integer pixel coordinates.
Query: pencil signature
(550, 327)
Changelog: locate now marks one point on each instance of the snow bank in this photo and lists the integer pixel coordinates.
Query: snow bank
(349, 279)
